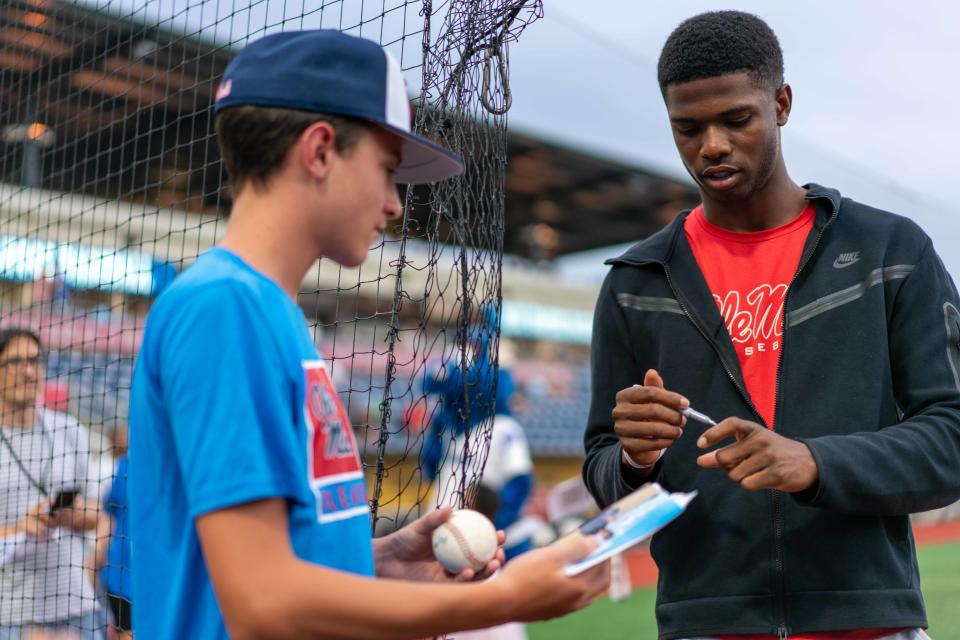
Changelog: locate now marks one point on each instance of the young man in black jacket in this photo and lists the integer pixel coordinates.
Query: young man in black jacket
(826, 333)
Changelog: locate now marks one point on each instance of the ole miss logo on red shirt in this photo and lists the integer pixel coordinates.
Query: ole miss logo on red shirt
(749, 274)
(756, 319)
(333, 464)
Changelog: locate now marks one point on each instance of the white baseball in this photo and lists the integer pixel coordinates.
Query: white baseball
(467, 539)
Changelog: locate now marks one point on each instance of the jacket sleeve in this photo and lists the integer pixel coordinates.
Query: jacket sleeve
(612, 368)
(913, 465)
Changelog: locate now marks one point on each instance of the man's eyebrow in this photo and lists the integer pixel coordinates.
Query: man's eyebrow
(740, 108)
(737, 109)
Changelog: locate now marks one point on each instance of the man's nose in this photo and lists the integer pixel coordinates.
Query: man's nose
(715, 144)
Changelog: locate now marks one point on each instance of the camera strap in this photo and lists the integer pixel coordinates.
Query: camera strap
(23, 468)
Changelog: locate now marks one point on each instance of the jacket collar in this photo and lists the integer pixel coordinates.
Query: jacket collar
(659, 248)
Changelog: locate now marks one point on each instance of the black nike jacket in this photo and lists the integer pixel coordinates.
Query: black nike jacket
(869, 379)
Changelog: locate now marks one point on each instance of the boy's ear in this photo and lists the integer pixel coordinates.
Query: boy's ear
(315, 148)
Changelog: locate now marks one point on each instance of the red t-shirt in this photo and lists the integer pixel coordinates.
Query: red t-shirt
(748, 275)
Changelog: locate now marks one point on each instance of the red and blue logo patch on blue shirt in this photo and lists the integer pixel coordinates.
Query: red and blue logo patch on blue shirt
(335, 475)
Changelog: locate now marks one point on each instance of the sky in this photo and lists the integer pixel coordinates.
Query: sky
(875, 95)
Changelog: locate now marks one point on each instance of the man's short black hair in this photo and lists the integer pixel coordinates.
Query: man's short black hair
(9, 334)
(717, 43)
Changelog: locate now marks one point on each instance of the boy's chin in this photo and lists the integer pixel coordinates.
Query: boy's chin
(350, 261)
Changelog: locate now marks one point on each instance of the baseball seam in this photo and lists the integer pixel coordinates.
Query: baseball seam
(463, 544)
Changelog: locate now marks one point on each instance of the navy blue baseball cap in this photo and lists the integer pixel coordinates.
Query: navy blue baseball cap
(331, 72)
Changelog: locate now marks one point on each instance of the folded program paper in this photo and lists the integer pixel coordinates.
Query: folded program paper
(629, 521)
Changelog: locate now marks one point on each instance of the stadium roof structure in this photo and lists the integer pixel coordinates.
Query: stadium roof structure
(562, 200)
(114, 95)
(129, 105)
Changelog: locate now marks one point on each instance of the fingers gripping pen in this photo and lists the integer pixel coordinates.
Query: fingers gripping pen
(693, 414)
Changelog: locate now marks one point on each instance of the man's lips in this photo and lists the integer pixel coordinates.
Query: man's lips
(721, 177)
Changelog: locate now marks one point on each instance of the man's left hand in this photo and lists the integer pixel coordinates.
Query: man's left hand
(760, 458)
(408, 553)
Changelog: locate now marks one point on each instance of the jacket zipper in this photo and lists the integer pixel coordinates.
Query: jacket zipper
(776, 495)
(696, 323)
(778, 533)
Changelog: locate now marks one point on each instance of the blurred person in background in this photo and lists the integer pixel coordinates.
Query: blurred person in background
(487, 501)
(825, 336)
(44, 456)
(111, 562)
(453, 448)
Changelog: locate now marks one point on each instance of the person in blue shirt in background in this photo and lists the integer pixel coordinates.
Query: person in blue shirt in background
(110, 564)
(115, 575)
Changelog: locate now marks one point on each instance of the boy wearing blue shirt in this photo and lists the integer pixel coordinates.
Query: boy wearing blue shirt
(248, 510)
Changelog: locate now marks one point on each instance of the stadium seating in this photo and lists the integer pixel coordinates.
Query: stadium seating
(554, 398)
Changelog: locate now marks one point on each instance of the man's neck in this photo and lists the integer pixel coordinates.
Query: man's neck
(260, 235)
(779, 202)
(17, 415)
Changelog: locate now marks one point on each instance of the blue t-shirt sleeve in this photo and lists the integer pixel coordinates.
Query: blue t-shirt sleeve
(230, 399)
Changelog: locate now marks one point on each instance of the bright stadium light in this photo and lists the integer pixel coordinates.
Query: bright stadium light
(35, 132)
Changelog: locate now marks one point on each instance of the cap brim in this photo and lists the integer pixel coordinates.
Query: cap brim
(423, 161)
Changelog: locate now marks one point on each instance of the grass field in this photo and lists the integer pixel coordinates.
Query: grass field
(633, 619)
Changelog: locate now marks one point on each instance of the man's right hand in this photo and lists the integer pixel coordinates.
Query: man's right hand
(647, 419)
(36, 522)
(536, 588)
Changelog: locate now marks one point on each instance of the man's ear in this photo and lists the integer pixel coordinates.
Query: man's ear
(315, 148)
(784, 100)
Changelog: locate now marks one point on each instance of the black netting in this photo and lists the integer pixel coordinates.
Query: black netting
(111, 184)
